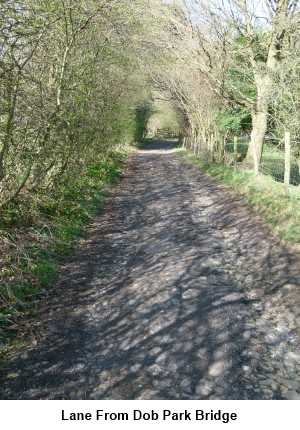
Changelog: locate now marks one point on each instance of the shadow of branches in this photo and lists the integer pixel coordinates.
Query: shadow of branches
(178, 292)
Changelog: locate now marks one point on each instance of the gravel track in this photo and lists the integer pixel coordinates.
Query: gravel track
(178, 291)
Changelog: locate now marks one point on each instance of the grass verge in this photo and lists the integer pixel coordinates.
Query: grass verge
(36, 232)
(268, 197)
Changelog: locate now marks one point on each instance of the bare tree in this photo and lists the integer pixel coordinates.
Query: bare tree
(258, 33)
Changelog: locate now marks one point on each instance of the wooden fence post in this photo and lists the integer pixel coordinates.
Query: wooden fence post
(235, 149)
(235, 146)
(287, 158)
(211, 147)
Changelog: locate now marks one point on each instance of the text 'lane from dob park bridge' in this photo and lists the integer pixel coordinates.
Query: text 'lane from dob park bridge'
(139, 415)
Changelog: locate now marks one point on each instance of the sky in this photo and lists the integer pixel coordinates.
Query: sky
(257, 7)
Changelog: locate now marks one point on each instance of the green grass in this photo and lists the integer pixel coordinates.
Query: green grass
(41, 231)
(279, 209)
(273, 164)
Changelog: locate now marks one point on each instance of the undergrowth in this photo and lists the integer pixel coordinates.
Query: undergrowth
(36, 232)
(281, 210)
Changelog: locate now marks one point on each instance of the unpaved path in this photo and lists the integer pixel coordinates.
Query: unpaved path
(178, 292)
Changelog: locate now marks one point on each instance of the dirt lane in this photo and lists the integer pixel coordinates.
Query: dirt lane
(178, 292)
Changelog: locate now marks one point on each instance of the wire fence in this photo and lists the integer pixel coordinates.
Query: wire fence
(280, 158)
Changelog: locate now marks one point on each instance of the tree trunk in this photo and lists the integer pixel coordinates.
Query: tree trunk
(264, 85)
(259, 128)
(264, 82)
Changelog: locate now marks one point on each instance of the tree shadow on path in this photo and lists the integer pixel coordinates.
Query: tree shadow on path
(179, 291)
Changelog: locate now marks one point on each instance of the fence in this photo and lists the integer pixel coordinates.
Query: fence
(166, 133)
(280, 158)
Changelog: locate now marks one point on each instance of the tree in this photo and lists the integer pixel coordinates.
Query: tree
(70, 79)
(264, 35)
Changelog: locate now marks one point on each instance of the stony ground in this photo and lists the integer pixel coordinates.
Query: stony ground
(178, 291)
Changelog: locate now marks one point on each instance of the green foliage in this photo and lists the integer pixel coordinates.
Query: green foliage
(142, 114)
(164, 118)
(234, 120)
(68, 92)
(58, 220)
